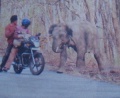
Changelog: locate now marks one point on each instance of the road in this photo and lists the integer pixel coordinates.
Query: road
(53, 85)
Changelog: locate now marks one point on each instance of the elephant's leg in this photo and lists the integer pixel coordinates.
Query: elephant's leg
(81, 49)
(80, 57)
(80, 61)
(63, 57)
(97, 57)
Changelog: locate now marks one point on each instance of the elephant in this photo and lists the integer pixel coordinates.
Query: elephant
(78, 35)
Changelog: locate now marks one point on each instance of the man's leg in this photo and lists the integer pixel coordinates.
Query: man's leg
(10, 59)
(5, 57)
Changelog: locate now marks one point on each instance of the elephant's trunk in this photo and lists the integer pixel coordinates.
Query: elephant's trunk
(56, 47)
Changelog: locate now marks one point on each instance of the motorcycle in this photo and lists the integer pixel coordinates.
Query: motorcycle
(29, 55)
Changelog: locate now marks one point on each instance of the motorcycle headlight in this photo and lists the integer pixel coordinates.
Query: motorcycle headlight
(35, 41)
(37, 44)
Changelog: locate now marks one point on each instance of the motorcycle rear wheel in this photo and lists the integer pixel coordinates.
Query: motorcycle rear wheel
(36, 69)
(17, 69)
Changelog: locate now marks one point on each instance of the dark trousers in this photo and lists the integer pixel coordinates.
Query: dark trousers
(5, 57)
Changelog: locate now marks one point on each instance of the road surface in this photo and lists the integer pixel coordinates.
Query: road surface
(53, 85)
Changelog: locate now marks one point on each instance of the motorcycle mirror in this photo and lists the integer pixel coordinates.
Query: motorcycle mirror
(38, 34)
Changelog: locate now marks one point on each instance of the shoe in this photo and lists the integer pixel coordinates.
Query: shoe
(5, 69)
(59, 72)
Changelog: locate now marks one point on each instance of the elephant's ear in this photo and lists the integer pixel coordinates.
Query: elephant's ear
(69, 31)
(52, 28)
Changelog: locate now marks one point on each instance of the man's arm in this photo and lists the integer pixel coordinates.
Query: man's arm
(9, 31)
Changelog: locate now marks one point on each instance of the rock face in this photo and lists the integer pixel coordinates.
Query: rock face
(103, 14)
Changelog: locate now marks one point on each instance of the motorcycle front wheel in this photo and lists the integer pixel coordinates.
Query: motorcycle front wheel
(38, 67)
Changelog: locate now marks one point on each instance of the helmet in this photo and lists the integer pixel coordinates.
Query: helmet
(26, 22)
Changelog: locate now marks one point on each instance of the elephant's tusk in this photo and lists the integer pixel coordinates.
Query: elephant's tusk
(57, 49)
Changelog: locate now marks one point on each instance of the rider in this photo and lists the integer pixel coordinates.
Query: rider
(9, 34)
(23, 29)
